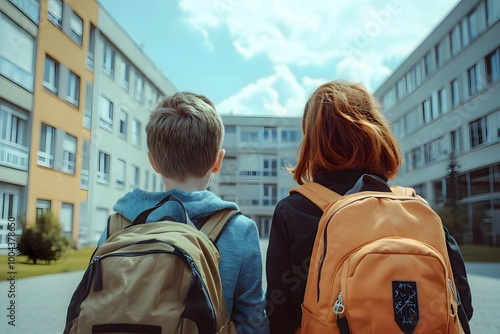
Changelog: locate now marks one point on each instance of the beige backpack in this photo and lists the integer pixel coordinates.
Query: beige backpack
(158, 277)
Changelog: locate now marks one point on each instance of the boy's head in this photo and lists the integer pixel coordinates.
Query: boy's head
(184, 136)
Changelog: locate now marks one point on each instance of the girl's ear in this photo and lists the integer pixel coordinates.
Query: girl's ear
(152, 162)
(218, 162)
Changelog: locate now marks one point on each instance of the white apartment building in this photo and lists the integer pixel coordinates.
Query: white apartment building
(253, 173)
(127, 85)
(19, 28)
(445, 98)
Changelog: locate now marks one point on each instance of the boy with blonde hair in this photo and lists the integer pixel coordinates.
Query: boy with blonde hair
(184, 138)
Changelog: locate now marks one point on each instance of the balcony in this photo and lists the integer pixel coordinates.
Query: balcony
(84, 179)
(13, 155)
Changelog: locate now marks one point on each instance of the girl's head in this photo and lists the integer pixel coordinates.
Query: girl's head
(345, 129)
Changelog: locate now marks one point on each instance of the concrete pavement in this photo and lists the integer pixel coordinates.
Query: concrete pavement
(41, 302)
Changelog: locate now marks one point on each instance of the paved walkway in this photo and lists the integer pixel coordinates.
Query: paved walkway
(41, 302)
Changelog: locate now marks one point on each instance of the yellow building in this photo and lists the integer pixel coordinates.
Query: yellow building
(58, 132)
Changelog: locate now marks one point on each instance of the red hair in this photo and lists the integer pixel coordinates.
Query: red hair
(345, 129)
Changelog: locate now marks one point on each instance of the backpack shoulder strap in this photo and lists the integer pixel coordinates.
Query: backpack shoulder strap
(117, 222)
(318, 194)
(407, 191)
(217, 222)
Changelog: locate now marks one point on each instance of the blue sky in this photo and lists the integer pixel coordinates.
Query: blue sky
(265, 57)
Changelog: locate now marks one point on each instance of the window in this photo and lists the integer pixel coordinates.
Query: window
(270, 166)
(477, 20)
(230, 129)
(269, 135)
(270, 195)
(401, 88)
(289, 136)
(146, 180)
(492, 11)
(136, 174)
(427, 110)
(84, 177)
(14, 149)
(411, 80)
(121, 168)
(416, 158)
(47, 146)
(456, 141)
(66, 219)
(456, 40)
(473, 80)
(106, 119)
(69, 154)
(126, 75)
(17, 53)
(389, 99)
(73, 89)
(455, 93)
(91, 50)
(434, 150)
(31, 8)
(103, 168)
(442, 107)
(441, 52)
(122, 118)
(429, 64)
(136, 132)
(413, 120)
(465, 32)
(87, 118)
(55, 12)
(493, 66)
(138, 87)
(76, 28)
(42, 207)
(109, 60)
(486, 129)
(51, 75)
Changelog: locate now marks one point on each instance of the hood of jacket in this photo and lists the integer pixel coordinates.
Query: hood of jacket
(198, 204)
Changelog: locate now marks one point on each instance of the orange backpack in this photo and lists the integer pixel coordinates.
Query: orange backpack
(379, 264)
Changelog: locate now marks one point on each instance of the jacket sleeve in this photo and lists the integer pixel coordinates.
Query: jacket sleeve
(461, 282)
(248, 312)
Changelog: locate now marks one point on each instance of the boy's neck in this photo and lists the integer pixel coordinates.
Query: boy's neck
(189, 185)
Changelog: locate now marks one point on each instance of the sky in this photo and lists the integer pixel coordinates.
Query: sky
(265, 57)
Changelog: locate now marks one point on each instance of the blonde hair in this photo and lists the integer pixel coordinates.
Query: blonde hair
(184, 135)
(345, 129)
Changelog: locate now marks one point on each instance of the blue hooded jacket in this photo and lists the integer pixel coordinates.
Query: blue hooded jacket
(240, 265)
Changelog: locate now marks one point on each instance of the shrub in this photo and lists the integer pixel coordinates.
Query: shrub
(44, 241)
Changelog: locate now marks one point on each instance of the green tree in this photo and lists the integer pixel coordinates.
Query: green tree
(44, 241)
(454, 217)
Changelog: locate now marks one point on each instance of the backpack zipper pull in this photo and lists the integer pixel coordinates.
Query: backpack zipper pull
(97, 274)
(339, 308)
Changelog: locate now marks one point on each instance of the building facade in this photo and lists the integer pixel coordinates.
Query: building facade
(75, 96)
(19, 26)
(253, 172)
(126, 87)
(444, 104)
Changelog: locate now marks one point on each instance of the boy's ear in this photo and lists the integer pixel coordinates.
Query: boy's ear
(152, 162)
(218, 163)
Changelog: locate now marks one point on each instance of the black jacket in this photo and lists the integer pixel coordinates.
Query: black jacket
(293, 231)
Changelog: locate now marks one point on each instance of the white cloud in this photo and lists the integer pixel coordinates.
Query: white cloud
(280, 93)
(350, 39)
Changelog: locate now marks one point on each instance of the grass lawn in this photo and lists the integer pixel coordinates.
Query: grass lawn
(78, 260)
(70, 261)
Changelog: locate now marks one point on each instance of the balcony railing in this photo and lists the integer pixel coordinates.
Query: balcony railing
(103, 177)
(45, 159)
(84, 179)
(13, 155)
